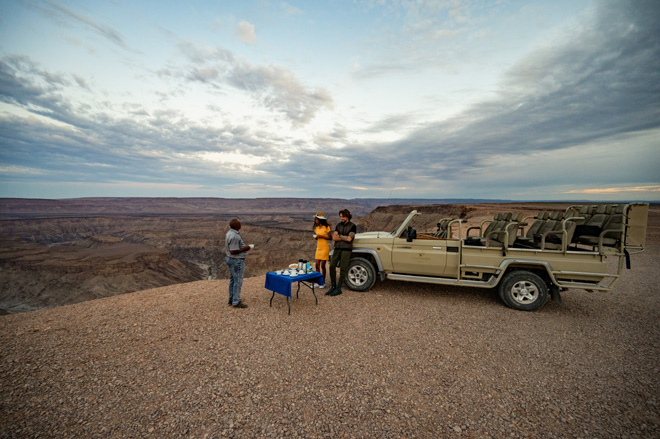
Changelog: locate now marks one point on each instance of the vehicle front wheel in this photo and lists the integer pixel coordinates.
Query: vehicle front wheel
(361, 275)
(523, 290)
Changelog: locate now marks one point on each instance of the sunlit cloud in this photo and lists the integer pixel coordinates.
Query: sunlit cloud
(615, 190)
(231, 157)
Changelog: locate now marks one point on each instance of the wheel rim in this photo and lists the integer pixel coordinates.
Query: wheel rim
(358, 275)
(524, 292)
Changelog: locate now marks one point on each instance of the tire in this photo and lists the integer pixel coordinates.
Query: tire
(361, 275)
(523, 290)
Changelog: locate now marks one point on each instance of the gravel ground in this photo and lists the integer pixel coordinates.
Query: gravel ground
(402, 360)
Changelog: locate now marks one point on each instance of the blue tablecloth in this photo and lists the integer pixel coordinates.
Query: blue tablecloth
(282, 284)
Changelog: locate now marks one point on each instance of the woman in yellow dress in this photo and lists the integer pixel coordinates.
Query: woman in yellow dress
(322, 235)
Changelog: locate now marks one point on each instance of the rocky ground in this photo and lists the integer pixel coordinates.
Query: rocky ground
(402, 360)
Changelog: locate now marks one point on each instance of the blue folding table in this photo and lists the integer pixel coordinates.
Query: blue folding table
(281, 284)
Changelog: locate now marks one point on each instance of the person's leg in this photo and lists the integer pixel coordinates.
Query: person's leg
(230, 265)
(318, 265)
(343, 270)
(334, 260)
(343, 266)
(239, 268)
(323, 270)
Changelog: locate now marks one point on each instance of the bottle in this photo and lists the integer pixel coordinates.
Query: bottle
(309, 268)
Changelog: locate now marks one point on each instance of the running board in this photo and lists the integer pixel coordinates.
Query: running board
(444, 281)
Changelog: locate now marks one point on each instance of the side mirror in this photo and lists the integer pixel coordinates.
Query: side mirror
(410, 234)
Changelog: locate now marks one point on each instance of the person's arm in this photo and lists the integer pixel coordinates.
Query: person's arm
(240, 250)
(351, 234)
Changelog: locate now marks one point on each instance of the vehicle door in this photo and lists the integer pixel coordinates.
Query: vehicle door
(422, 255)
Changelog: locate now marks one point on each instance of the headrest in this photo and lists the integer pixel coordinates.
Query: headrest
(506, 216)
(542, 215)
(620, 208)
(556, 216)
(517, 217)
(601, 209)
(584, 210)
(497, 217)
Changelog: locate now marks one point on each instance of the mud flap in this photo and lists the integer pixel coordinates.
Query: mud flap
(554, 294)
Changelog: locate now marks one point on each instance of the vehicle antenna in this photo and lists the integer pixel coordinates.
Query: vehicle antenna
(396, 177)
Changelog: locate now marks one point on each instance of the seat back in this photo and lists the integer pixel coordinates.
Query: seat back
(616, 220)
(600, 217)
(541, 218)
(442, 229)
(553, 220)
(512, 227)
(497, 220)
(583, 213)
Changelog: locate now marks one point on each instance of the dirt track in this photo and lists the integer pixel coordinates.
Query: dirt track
(403, 360)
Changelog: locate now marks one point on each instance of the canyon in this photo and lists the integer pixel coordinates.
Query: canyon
(59, 252)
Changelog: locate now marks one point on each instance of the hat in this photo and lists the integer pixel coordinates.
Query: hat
(320, 215)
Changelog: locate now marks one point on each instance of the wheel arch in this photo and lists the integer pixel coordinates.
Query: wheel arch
(372, 256)
(543, 269)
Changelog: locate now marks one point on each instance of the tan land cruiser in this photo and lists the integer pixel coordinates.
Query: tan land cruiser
(526, 259)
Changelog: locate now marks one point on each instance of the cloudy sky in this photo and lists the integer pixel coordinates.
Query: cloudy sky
(550, 100)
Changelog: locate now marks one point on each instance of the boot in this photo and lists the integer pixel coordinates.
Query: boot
(336, 291)
(330, 291)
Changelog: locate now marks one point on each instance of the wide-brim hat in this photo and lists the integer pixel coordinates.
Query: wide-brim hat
(320, 215)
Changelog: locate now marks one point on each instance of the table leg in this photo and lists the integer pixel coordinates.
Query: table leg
(298, 290)
(288, 304)
(315, 298)
(271, 299)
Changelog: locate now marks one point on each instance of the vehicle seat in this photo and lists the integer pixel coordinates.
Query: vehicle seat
(476, 240)
(528, 239)
(594, 226)
(612, 230)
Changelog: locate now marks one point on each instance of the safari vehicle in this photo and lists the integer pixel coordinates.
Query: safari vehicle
(526, 259)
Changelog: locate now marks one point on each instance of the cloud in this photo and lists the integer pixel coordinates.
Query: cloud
(280, 90)
(577, 113)
(602, 81)
(290, 10)
(583, 111)
(615, 190)
(60, 12)
(245, 32)
(276, 88)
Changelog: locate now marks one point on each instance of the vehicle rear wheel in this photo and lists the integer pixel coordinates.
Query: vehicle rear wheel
(361, 275)
(523, 290)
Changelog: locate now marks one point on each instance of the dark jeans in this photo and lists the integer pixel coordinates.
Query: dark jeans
(341, 258)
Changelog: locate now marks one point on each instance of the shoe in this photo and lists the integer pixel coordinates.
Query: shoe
(331, 290)
(319, 286)
(240, 305)
(229, 303)
(335, 292)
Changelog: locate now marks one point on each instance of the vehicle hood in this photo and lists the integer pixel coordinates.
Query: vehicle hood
(366, 235)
